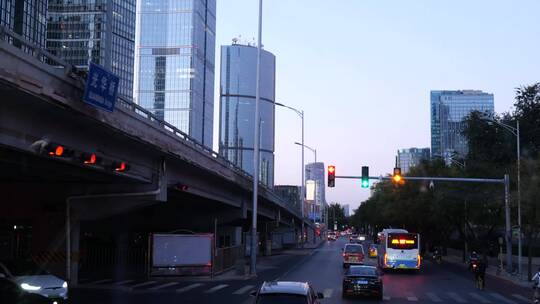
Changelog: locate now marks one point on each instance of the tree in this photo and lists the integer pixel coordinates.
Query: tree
(336, 214)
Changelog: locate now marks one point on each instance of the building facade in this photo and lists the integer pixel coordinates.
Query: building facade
(237, 108)
(316, 172)
(99, 31)
(175, 63)
(27, 18)
(291, 195)
(408, 158)
(448, 109)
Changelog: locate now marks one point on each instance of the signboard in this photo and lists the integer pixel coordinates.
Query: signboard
(310, 190)
(101, 88)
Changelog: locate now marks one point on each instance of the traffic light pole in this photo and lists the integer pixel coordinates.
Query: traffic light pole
(505, 181)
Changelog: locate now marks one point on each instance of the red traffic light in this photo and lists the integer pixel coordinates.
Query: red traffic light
(120, 166)
(331, 176)
(89, 158)
(56, 150)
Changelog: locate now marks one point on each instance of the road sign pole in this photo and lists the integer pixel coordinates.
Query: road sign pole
(507, 223)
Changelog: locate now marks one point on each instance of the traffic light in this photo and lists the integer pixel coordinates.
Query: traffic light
(397, 178)
(56, 150)
(119, 166)
(89, 158)
(365, 177)
(331, 176)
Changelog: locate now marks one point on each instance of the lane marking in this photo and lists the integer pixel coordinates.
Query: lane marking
(433, 297)
(501, 298)
(386, 298)
(522, 298)
(123, 282)
(163, 285)
(143, 284)
(413, 299)
(189, 287)
(456, 297)
(243, 289)
(478, 297)
(328, 293)
(101, 281)
(216, 288)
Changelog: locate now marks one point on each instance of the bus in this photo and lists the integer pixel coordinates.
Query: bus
(399, 249)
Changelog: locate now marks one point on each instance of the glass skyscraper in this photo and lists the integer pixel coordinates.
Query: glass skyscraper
(174, 63)
(408, 158)
(101, 31)
(237, 108)
(316, 172)
(448, 109)
(26, 18)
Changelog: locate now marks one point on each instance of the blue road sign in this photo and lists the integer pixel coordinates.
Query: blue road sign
(101, 88)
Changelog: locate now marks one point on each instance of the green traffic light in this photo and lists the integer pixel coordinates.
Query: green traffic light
(365, 183)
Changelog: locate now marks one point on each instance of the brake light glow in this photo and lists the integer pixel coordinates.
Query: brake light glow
(385, 259)
(418, 262)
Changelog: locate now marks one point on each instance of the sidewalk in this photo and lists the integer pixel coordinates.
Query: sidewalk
(456, 257)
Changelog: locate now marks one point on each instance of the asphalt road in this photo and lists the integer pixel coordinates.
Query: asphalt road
(446, 283)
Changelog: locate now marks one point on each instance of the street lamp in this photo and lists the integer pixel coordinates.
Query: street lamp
(254, 242)
(312, 149)
(303, 186)
(515, 132)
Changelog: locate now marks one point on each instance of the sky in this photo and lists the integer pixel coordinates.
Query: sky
(362, 71)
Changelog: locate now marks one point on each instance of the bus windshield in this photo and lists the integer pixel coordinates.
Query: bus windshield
(402, 241)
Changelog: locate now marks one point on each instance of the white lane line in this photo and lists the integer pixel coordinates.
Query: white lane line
(413, 299)
(243, 289)
(101, 281)
(456, 297)
(433, 297)
(163, 286)
(189, 287)
(386, 298)
(478, 297)
(522, 298)
(123, 282)
(143, 284)
(501, 298)
(216, 288)
(328, 293)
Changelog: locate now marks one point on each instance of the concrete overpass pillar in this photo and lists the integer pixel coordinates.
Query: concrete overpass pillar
(75, 250)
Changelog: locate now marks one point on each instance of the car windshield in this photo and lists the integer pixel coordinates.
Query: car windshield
(281, 298)
(362, 271)
(23, 268)
(354, 249)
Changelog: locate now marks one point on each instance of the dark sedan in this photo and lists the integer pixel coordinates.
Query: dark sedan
(362, 281)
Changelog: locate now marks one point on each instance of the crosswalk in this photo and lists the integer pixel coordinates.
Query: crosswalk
(480, 297)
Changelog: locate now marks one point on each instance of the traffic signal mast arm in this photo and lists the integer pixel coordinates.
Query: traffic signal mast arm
(428, 178)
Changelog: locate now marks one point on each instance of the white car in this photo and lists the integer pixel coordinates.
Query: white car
(33, 279)
(286, 292)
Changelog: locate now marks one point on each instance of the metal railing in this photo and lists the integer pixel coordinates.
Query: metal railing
(71, 71)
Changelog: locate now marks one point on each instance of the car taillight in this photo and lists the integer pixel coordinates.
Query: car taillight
(418, 262)
(344, 254)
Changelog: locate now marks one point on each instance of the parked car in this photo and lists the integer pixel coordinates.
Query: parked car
(286, 292)
(362, 281)
(32, 279)
(353, 254)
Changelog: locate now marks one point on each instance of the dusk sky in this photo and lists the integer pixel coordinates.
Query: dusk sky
(362, 72)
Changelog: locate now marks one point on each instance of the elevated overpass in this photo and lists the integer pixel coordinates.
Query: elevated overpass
(170, 181)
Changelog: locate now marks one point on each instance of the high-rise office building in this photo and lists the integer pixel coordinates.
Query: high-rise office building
(408, 158)
(99, 31)
(448, 109)
(26, 18)
(237, 108)
(174, 63)
(316, 172)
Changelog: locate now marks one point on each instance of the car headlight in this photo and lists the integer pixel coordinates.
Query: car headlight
(27, 286)
(64, 285)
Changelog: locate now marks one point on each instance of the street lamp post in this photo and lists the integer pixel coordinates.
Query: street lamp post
(303, 186)
(310, 148)
(254, 241)
(515, 132)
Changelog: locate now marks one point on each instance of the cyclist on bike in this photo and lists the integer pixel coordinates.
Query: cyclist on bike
(536, 283)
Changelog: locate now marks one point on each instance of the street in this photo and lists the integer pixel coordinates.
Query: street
(446, 283)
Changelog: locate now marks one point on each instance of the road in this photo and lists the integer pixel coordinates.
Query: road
(446, 283)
